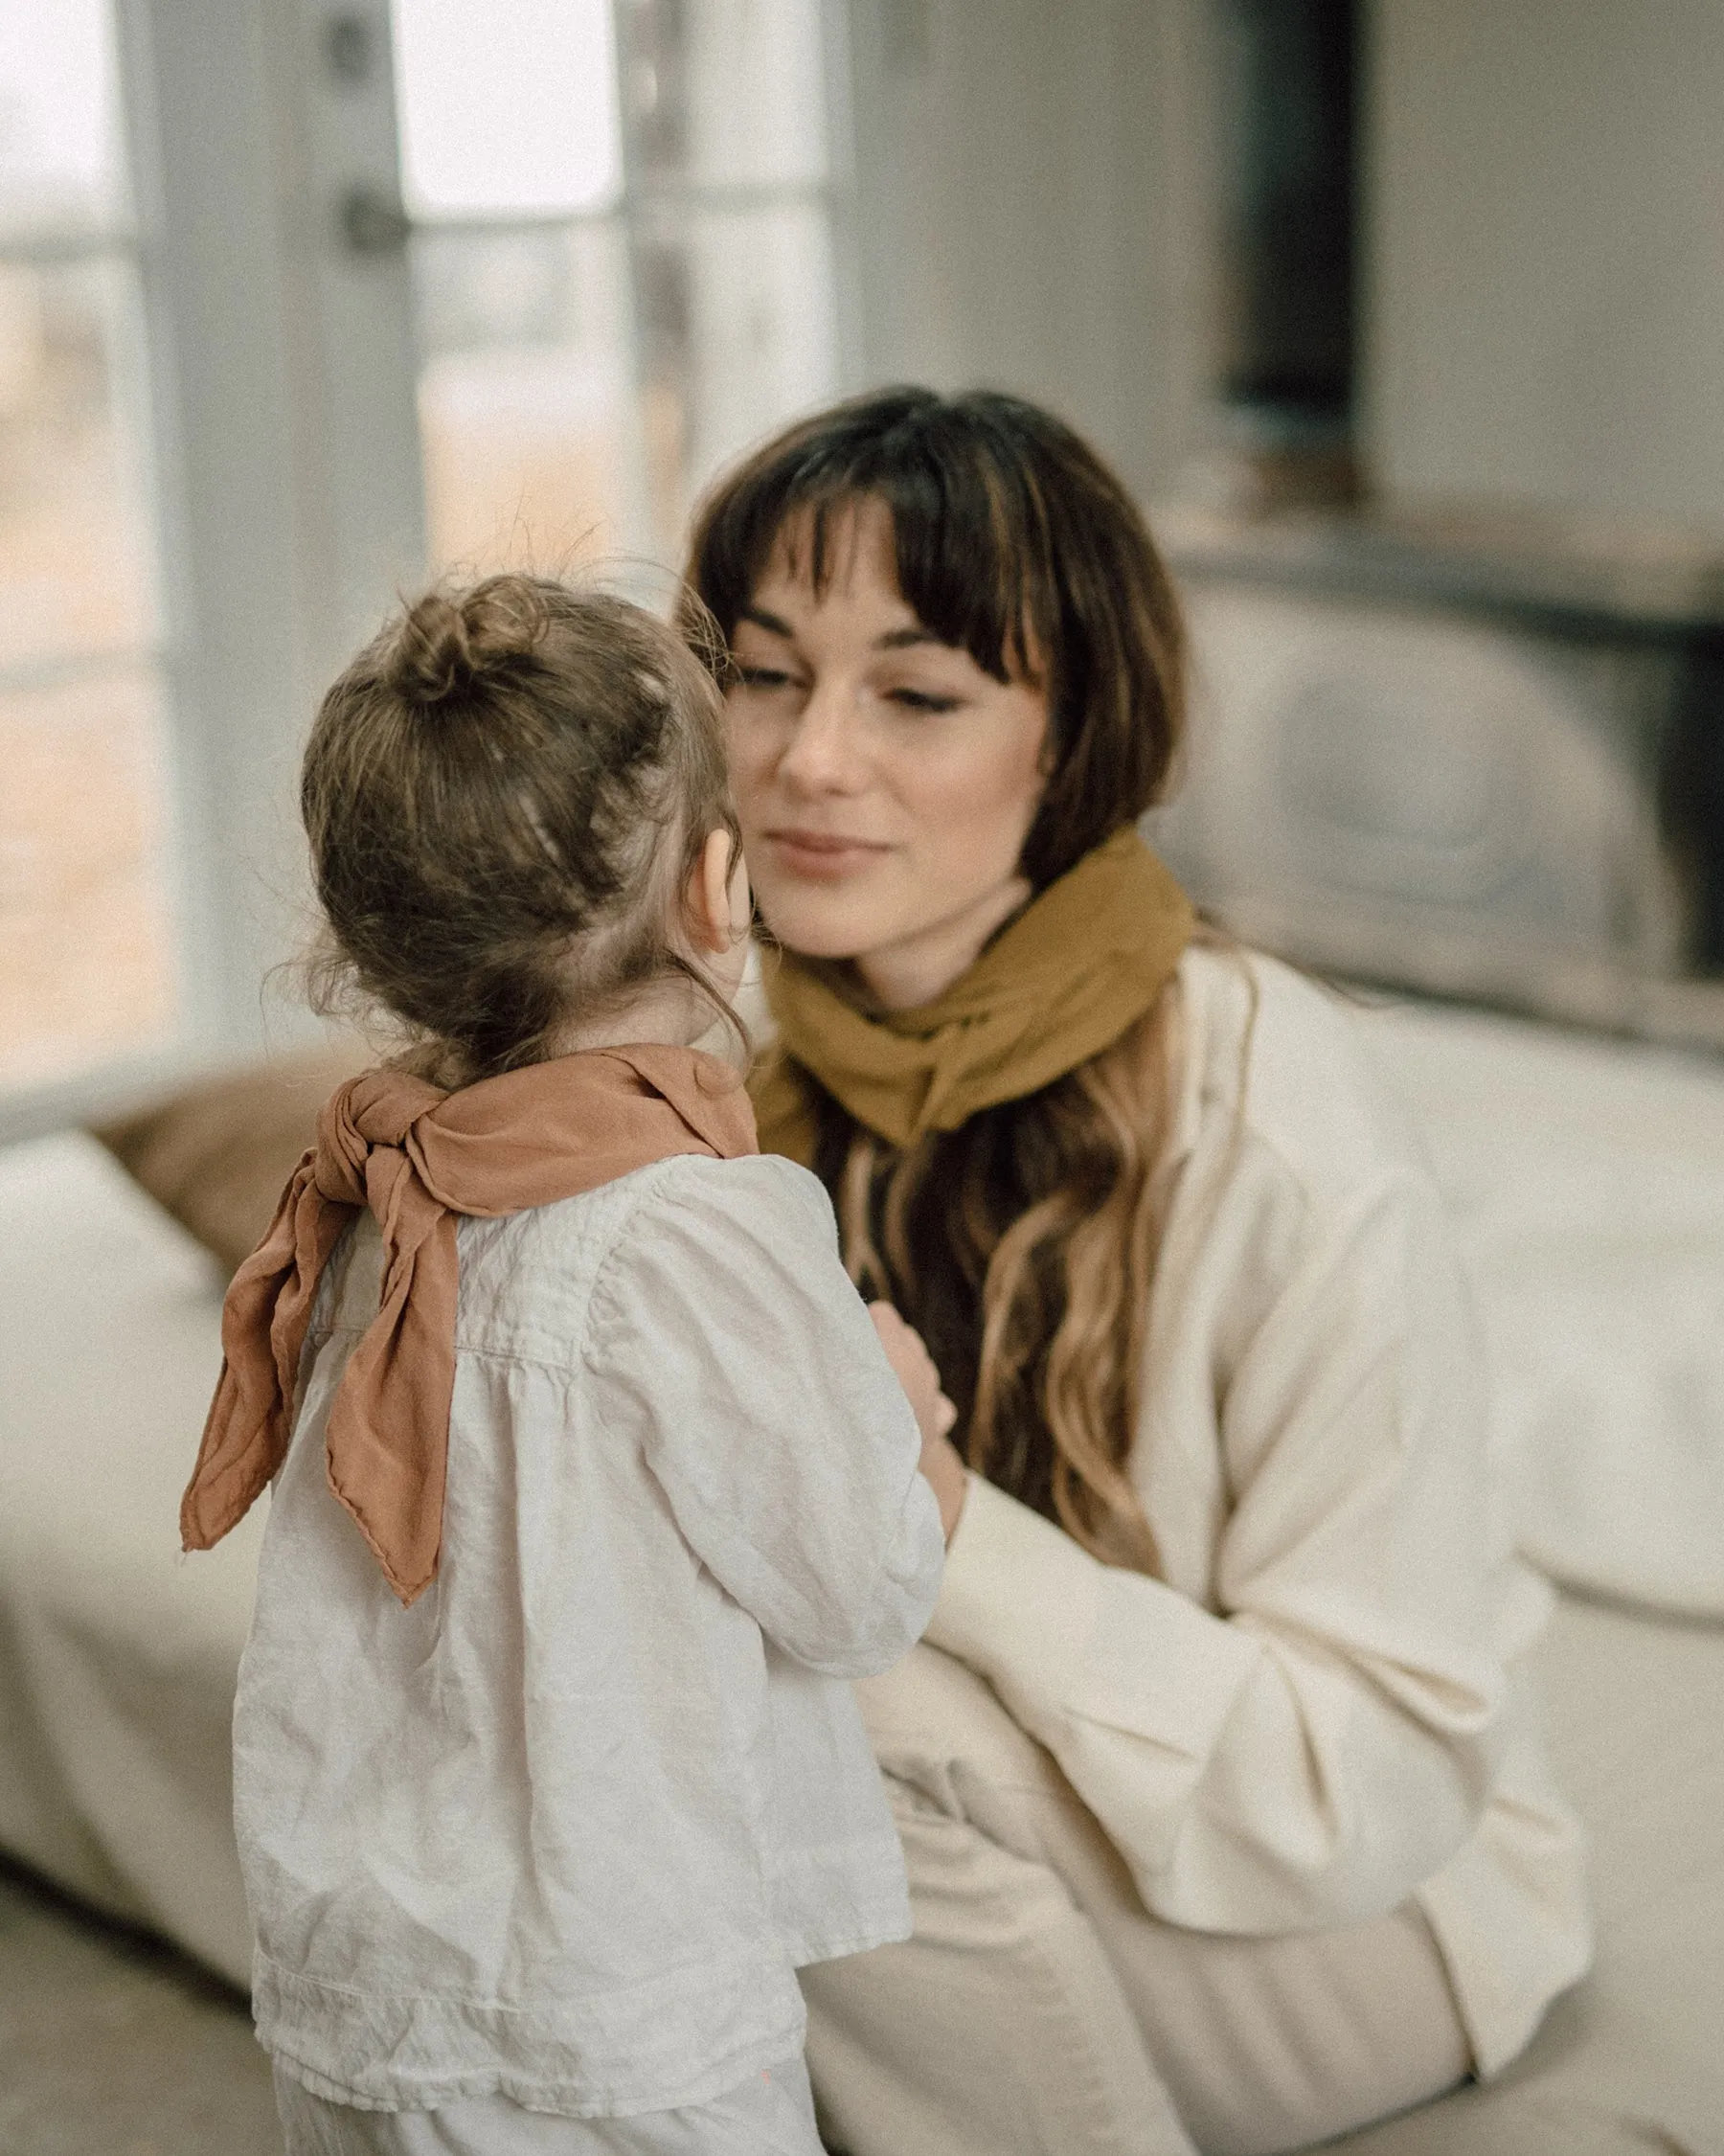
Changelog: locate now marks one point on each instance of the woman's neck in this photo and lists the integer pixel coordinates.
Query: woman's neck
(905, 975)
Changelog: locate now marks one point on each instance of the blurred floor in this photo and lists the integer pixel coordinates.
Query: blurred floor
(112, 2045)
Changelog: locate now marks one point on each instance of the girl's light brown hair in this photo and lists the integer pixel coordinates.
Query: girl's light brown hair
(1021, 1246)
(505, 793)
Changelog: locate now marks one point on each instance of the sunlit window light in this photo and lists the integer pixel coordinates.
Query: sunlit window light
(58, 119)
(507, 107)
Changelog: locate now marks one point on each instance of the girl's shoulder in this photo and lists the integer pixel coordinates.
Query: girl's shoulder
(757, 1217)
(1274, 1057)
(754, 1190)
(698, 1229)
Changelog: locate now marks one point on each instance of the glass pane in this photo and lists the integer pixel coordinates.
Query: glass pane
(581, 382)
(729, 93)
(86, 944)
(527, 400)
(59, 132)
(74, 566)
(507, 107)
(737, 333)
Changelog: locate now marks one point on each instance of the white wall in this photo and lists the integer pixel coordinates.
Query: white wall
(1024, 215)
(1543, 256)
(1546, 252)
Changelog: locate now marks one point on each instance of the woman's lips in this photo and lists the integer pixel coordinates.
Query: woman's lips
(822, 856)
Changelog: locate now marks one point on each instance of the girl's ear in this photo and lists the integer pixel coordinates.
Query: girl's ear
(711, 899)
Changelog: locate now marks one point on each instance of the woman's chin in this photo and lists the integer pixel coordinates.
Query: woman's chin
(807, 941)
(814, 925)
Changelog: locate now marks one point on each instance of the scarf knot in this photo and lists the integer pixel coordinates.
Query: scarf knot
(379, 1112)
(417, 1158)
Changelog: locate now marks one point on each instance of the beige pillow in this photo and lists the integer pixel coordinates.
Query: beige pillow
(218, 1154)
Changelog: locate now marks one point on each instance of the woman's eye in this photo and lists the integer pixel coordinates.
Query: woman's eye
(923, 701)
(762, 677)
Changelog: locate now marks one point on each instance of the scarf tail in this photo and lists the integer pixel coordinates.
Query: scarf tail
(236, 1462)
(389, 1477)
(264, 1316)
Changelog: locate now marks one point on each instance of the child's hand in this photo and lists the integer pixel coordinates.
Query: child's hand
(934, 1414)
(910, 1359)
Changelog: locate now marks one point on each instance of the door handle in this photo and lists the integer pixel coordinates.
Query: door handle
(372, 221)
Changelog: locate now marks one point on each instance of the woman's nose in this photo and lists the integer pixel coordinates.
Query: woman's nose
(824, 753)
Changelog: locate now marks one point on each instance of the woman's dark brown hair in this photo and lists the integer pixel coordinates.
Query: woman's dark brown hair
(1022, 1246)
(505, 792)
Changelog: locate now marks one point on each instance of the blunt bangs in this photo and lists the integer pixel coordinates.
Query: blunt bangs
(965, 521)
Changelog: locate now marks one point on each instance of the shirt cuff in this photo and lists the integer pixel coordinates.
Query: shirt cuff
(1064, 1638)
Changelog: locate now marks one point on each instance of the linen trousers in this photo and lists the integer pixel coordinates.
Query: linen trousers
(767, 2115)
(1040, 2010)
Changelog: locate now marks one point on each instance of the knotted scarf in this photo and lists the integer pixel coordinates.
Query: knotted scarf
(417, 1157)
(1061, 982)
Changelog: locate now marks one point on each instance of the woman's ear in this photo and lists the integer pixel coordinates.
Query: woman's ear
(711, 899)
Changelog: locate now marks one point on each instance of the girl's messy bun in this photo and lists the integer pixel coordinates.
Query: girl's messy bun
(490, 877)
(446, 641)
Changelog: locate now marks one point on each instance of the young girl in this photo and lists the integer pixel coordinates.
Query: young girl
(592, 1481)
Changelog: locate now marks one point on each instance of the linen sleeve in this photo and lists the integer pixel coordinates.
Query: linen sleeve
(1310, 1750)
(768, 1412)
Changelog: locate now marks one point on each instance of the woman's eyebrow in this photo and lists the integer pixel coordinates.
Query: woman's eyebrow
(895, 640)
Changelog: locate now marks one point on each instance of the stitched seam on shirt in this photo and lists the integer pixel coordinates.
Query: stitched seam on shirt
(650, 1177)
(510, 1357)
(600, 1328)
(577, 1359)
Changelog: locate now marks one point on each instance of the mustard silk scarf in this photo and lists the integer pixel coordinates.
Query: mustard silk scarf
(1061, 982)
(419, 1157)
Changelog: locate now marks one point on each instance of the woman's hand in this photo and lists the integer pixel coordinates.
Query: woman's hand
(934, 1415)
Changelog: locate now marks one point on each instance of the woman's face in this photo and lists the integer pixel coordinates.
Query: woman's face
(886, 784)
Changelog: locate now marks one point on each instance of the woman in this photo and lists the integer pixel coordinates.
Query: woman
(1225, 1823)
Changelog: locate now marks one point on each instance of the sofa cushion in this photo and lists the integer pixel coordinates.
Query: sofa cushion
(217, 1154)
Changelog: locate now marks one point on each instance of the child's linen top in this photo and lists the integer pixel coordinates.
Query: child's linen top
(562, 1828)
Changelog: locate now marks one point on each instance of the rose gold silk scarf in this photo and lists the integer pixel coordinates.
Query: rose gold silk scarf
(1081, 963)
(419, 1157)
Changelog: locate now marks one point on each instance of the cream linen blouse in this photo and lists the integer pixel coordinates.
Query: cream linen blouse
(562, 1829)
(1320, 1711)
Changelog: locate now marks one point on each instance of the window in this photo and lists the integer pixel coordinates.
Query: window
(623, 258)
(477, 280)
(88, 966)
